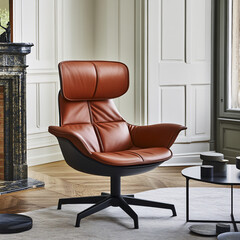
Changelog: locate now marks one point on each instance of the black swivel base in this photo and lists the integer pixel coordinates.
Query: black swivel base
(113, 199)
(14, 223)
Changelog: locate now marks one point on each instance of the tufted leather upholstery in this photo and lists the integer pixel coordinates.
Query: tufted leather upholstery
(90, 120)
(99, 77)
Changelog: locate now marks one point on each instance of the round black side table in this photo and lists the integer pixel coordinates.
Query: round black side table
(231, 178)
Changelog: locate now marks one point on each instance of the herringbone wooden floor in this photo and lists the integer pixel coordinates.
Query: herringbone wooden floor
(63, 181)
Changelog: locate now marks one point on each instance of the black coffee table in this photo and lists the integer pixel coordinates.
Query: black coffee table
(231, 178)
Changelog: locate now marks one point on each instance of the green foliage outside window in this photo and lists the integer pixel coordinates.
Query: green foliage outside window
(4, 19)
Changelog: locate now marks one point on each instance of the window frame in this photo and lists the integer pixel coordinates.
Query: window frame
(224, 57)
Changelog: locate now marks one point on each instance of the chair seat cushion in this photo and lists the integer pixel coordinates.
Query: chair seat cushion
(133, 156)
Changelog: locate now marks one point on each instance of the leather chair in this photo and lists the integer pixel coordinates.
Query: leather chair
(95, 139)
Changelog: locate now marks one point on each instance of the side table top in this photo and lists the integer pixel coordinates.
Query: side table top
(232, 176)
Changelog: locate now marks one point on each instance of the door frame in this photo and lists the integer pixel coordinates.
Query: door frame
(227, 127)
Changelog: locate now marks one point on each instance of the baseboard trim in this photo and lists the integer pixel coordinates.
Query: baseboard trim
(183, 160)
(43, 159)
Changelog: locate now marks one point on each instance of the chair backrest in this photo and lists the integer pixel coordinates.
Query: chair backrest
(86, 105)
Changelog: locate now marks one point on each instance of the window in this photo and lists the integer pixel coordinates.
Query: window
(234, 56)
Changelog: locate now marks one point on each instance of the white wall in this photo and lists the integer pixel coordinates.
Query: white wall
(111, 30)
(66, 30)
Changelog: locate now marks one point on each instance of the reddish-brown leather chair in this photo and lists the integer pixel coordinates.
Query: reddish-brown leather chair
(95, 139)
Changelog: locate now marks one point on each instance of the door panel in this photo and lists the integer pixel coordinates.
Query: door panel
(200, 112)
(166, 96)
(172, 27)
(179, 71)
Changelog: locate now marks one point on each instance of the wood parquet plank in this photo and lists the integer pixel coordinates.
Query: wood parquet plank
(28, 200)
(63, 181)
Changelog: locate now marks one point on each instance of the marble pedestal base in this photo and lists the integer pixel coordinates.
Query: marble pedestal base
(19, 185)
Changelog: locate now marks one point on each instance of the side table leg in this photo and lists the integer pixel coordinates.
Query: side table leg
(187, 199)
(232, 216)
(232, 200)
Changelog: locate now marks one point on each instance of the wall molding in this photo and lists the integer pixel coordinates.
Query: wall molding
(40, 140)
(141, 61)
(38, 159)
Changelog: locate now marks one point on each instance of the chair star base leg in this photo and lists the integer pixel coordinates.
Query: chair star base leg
(147, 203)
(80, 200)
(93, 209)
(114, 199)
(126, 208)
(107, 202)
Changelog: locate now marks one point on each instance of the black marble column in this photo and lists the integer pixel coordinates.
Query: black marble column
(13, 79)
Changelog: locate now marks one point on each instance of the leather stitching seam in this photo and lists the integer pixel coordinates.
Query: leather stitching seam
(95, 128)
(134, 153)
(111, 121)
(96, 80)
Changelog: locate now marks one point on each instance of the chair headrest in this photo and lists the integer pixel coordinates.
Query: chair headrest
(93, 80)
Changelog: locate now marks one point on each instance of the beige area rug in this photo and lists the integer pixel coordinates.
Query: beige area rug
(112, 223)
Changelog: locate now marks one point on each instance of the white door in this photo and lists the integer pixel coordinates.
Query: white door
(179, 72)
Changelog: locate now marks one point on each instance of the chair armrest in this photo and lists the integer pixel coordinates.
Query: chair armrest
(72, 136)
(158, 135)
